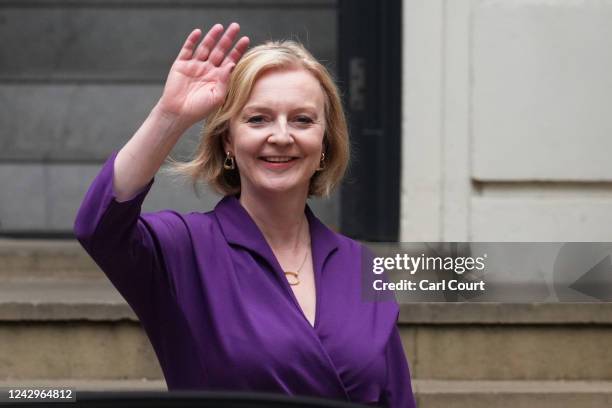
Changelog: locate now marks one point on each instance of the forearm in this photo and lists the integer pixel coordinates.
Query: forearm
(195, 86)
(142, 156)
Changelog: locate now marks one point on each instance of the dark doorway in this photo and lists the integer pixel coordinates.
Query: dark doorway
(369, 62)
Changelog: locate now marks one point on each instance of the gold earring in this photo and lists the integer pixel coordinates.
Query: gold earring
(229, 163)
(321, 162)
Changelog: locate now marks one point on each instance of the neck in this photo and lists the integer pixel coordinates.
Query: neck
(279, 216)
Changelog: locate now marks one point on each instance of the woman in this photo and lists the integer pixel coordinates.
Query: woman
(256, 295)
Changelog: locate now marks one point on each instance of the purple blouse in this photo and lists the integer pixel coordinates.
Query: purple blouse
(220, 313)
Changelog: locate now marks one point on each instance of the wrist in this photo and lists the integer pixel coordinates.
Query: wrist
(168, 119)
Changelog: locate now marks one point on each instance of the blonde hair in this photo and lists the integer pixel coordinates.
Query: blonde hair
(207, 162)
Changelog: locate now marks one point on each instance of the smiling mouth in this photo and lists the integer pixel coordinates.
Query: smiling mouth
(277, 159)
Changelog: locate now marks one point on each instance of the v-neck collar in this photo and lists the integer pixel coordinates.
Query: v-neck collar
(240, 229)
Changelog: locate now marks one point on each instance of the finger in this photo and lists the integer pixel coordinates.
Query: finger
(218, 53)
(237, 52)
(208, 42)
(192, 39)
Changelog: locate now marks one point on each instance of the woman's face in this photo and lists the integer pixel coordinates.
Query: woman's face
(277, 137)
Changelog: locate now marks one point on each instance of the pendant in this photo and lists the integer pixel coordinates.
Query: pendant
(295, 280)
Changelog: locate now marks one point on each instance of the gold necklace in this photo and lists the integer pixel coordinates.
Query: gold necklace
(294, 277)
(295, 280)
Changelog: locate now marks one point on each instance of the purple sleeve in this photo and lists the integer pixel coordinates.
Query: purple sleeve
(398, 391)
(127, 246)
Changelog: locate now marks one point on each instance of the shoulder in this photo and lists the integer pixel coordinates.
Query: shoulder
(196, 224)
(344, 243)
(173, 228)
(171, 220)
(180, 238)
(348, 244)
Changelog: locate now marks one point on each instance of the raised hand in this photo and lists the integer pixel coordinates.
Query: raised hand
(198, 79)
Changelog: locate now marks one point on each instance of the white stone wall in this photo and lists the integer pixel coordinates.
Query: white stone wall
(507, 120)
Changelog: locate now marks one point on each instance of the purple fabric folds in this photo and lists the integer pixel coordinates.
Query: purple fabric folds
(220, 314)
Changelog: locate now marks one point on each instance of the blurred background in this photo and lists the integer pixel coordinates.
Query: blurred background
(471, 120)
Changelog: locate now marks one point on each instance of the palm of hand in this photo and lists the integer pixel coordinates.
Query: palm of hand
(194, 87)
(198, 80)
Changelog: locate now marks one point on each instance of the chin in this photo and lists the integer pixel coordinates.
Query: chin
(281, 187)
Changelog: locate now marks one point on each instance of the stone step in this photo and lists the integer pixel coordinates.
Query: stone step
(48, 300)
(34, 259)
(489, 341)
(84, 329)
(513, 394)
(71, 329)
(54, 301)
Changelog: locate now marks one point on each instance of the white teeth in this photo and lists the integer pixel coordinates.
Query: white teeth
(277, 159)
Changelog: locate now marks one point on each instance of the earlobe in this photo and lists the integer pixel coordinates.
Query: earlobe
(322, 162)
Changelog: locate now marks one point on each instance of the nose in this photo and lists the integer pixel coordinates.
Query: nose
(281, 133)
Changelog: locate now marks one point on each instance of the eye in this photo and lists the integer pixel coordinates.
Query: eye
(304, 119)
(257, 119)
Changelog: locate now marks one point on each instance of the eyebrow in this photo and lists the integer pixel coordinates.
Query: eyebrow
(263, 108)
